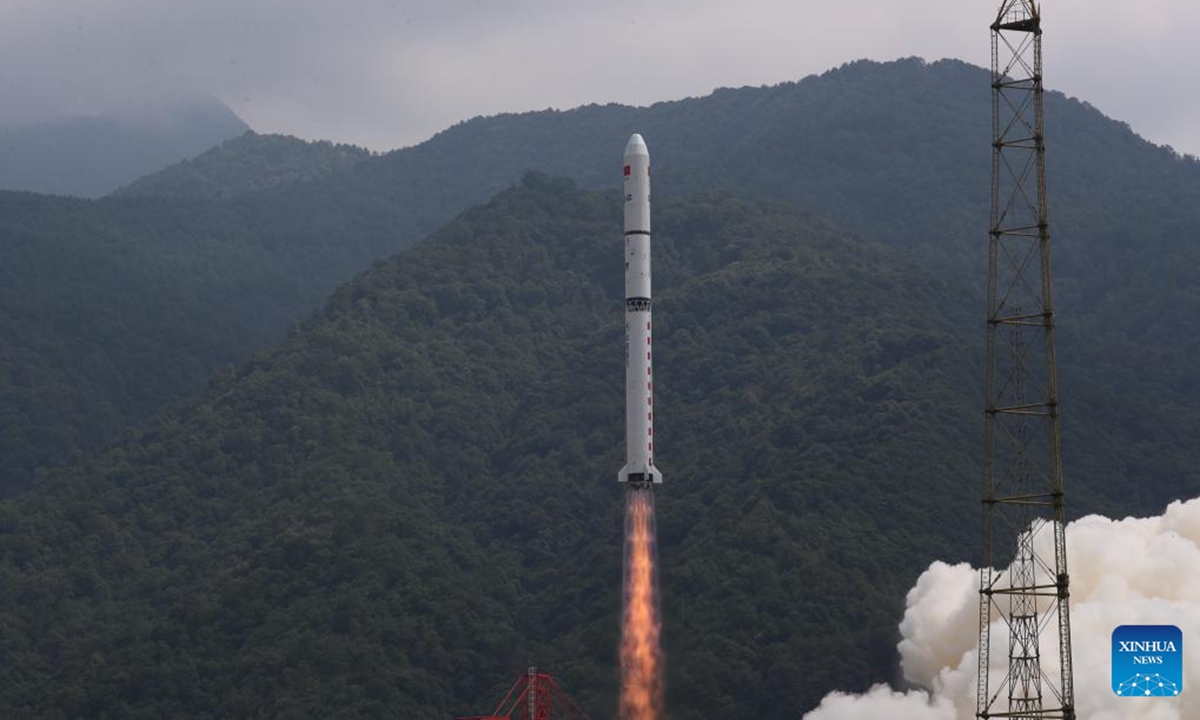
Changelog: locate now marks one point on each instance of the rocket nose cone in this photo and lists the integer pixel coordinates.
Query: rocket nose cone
(636, 146)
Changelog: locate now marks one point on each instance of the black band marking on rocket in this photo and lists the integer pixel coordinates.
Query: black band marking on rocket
(637, 304)
(636, 232)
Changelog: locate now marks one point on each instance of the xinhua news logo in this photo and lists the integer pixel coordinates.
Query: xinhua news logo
(1147, 661)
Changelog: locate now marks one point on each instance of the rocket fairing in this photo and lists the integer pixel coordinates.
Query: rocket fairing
(639, 375)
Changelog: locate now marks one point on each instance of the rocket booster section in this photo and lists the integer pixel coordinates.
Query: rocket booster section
(639, 373)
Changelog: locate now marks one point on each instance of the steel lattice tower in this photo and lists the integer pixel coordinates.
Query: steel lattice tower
(1023, 504)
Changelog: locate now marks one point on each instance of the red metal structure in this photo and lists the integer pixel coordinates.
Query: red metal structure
(535, 696)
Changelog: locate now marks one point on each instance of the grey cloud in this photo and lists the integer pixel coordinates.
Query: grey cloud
(387, 73)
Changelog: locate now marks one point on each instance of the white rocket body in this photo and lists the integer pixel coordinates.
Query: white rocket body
(639, 373)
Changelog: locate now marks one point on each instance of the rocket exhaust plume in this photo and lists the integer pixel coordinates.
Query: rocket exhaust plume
(641, 655)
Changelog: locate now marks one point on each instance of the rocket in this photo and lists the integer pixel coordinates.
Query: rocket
(639, 352)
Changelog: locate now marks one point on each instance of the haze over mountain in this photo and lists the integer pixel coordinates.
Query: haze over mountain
(90, 156)
(389, 75)
(896, 152)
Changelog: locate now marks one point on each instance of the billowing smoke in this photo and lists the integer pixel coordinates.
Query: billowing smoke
(1137, 571)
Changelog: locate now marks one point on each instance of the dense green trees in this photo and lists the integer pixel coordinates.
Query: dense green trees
(412, 496)
(247, 164)
(115, 308)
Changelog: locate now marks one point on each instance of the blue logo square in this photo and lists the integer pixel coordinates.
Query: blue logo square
(1147, 661)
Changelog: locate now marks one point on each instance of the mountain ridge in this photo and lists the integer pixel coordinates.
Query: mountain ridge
(245, 164)
(412, 494)
(255, 547)
(896, 152)
(89, 156)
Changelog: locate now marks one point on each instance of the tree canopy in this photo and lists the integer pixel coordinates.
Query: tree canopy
(413, 494)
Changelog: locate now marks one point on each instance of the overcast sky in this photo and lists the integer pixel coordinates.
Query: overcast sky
(389, 73)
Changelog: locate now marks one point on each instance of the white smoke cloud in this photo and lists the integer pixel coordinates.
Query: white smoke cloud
(1136, 571)
(883, 702)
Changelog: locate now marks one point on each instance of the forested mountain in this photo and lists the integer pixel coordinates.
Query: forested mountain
(413, 495)
(245, 164)
(112, 309)
(90, 156)
(897, 152)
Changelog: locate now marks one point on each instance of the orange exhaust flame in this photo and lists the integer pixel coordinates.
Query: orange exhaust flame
(641, 656)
